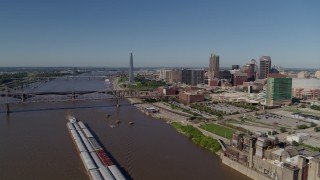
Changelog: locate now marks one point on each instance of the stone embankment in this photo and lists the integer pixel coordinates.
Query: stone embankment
(243, 169)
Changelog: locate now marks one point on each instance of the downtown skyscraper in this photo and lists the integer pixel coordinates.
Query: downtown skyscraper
(213, 67)
(265, 66)
(131, 75)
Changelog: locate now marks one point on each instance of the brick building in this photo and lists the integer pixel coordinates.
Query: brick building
(187, 97)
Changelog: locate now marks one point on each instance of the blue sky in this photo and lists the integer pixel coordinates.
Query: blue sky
(159, 33)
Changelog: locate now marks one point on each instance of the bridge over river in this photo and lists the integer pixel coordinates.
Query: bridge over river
(72, 88)
(18, 97)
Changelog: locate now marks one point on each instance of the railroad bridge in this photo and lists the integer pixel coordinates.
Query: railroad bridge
(11, 96)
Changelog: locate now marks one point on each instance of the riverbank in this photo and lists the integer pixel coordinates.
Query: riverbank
(179, 121)
(164, 114)
(198, 137)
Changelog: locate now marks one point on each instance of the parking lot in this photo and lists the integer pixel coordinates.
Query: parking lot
(277, 119)
(204, 114)
(228, 109)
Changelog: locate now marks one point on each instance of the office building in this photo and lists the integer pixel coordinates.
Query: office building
(238, 78)
(175, 76)
(213, 67)
(265, 66)
(249, 70)
(164, 74)
(189, 97)
(279, 89)
(197, 77)
(186, 76)
(192, 77)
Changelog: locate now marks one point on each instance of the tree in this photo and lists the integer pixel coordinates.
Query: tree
(283, 129)
(295, 143)
(302, 126)
(303, 106)
(312, 124)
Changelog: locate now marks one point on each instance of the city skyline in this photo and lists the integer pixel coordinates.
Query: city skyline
(161, 34)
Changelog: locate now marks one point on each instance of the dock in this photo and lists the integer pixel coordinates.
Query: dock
(97, 163)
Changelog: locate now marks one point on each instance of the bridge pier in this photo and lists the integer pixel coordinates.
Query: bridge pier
(7, 108)
(73, 96)
(22, 97)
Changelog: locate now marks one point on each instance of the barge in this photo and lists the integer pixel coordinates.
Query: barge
(97, 163)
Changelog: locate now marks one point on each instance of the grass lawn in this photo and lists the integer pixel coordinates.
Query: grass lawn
(219, 130)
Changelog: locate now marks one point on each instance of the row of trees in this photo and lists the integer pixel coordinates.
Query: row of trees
(142, 83)
(6, 78)
(197, 137)
(13, 80)
(244, 105)
(304, 126)
(315, 107)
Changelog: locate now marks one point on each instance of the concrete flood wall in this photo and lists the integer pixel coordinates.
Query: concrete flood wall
(243, 169)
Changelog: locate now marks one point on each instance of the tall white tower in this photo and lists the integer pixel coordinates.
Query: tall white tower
(131, 76)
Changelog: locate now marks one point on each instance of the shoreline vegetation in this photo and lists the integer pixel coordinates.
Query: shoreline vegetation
(21, 79)
(218, 130)
(197, 137)
(188, 130)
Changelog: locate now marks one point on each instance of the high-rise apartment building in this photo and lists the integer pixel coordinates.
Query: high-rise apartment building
(213, 67)
(175, 76)
(265, 66)
(131, 76)
(192, 76)
(186, 76)
(279, 89)
(197, 77)
(250, 70)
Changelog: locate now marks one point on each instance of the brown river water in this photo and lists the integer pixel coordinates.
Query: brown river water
(35, 143)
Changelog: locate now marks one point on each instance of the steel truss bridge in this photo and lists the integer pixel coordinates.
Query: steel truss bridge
(18, 97)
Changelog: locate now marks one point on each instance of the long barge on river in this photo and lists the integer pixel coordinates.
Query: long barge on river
(93, 156)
